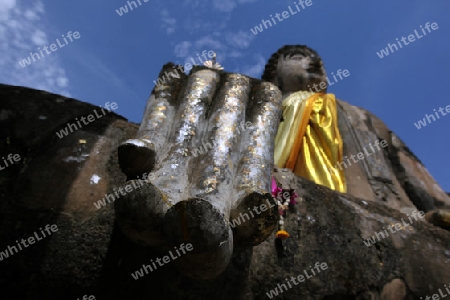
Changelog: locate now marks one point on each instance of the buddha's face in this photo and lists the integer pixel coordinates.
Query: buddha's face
(296, 68)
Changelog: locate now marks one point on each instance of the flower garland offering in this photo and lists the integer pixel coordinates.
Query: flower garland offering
(283, 205)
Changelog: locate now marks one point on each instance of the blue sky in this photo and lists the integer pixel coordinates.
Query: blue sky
(116, 58)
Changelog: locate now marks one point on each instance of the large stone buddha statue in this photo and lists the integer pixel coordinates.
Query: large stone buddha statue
(195, 194)
(339, 145)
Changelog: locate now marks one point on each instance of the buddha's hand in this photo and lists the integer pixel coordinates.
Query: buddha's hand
(207, 140)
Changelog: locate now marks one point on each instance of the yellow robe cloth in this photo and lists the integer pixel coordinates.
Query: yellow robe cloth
(308, 140)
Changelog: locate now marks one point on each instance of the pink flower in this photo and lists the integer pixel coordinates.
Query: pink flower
(275, 189)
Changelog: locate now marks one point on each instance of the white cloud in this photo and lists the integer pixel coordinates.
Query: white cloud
(5, 8)
(168, 23)
(229, 5)
(39, 7)
(206, 28)
(21, 32)
(218, 5)
(62, 82)
(208, 41)
(195, 25)
(39, 38)
(256, 68)
(224, 5)
(226, 45)
(235, 54)
(194, 3)
(182, 49)
(31, 15)
(240, 39)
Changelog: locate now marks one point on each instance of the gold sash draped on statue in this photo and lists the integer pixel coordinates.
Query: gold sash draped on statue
(308, 140)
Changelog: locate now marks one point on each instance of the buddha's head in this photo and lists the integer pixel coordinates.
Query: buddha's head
(296, 68)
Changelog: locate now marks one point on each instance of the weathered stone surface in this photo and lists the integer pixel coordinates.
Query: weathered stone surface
(330, 227)
(89, 255)
(401, 180)
(54, 183)
(420, 186)
(394, 290)
(439, 217)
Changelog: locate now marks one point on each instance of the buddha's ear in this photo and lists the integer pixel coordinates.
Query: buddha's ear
(276, 81)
